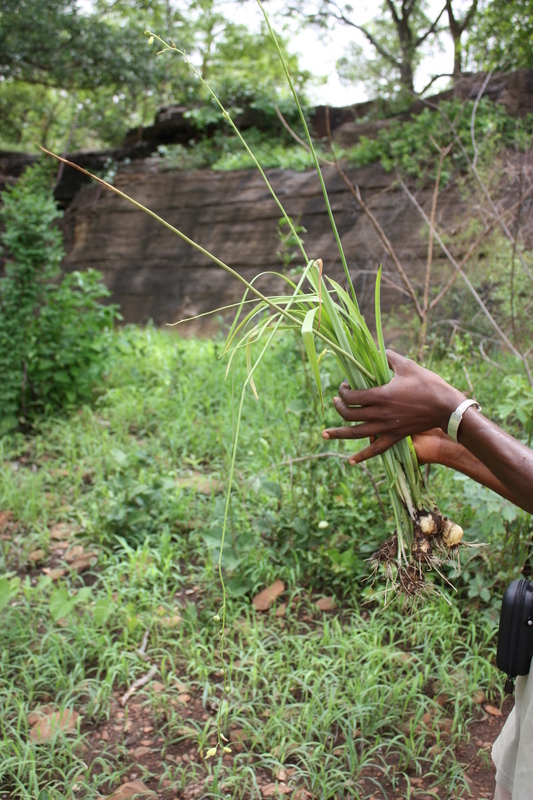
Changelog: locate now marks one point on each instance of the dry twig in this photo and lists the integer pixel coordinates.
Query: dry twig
(142, 649)
(137, 684)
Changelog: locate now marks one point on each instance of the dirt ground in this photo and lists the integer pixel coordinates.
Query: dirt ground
(135, 730)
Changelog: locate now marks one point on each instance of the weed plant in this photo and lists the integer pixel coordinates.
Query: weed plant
(410, 145)
(222, 153)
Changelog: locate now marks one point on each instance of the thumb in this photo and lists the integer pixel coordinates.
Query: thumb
(396, 361)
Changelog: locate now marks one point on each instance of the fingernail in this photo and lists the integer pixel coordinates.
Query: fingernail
(325, 435)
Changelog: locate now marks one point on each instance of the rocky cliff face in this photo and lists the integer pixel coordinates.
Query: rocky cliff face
(155, 275)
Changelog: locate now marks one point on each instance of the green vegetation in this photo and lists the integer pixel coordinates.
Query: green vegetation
(411, 146)
(54, 335)
(223, 153)
(502, 38)
(137, 480)
(74, 77)
(115, 453)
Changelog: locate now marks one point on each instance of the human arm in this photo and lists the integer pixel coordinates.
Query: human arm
(436, 447)
(417, 401)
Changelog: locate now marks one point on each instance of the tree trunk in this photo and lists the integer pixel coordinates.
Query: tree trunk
(406, 75)
(457, 28)
(457, 58)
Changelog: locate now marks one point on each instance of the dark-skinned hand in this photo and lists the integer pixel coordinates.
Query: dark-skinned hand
(416, 401)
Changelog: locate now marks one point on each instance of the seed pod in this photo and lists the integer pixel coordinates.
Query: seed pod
(451, 533)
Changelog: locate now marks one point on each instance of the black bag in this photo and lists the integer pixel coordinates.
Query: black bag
(515, 636)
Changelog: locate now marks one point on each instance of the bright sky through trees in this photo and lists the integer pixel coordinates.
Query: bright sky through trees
(318, 51)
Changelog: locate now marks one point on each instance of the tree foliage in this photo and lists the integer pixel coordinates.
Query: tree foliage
(69, 71)
(502, 38)
(71, 78)
(52, 43)
(397, 35)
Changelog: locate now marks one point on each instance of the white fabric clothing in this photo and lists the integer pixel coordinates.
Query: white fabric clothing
(512, 751)
(502, 794)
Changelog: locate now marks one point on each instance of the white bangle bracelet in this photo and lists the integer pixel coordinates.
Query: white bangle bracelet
(457, 417)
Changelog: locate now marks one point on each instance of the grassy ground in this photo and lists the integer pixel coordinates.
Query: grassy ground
(110, 524)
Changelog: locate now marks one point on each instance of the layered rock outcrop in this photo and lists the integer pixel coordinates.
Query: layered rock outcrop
(155, 275)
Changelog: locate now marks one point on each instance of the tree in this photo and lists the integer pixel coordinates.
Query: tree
(397, 35)
(502, 38)
(457, 26)
(52, 43)
(74, 78)
(65, 67)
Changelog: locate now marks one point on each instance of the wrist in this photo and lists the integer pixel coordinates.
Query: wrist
(456, 417)
(450, 401)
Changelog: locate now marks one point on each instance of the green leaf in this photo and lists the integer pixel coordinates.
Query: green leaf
(119, 457)
(308, 336)
(102, 611)
(62, 376)
(271, 488)
(485, 595)
(297, 407)
(249, 368)
(212, 537)
(84, 593)
(238, 587)
(379, 328)
(509, 512)
(61, 604)
(9, 588)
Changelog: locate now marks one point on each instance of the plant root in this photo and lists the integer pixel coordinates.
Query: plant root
(422, 550)
(412, 581)
(388, 551)
(436, 540)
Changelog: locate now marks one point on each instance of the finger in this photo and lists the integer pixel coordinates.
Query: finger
(362, 431)
(378, 446)
(353, 413)
(396, 361)
(350, 432)
(362, 397)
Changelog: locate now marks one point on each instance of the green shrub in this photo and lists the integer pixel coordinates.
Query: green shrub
(71, 342)
(410, 145)
(54, 334)
(223, 153)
